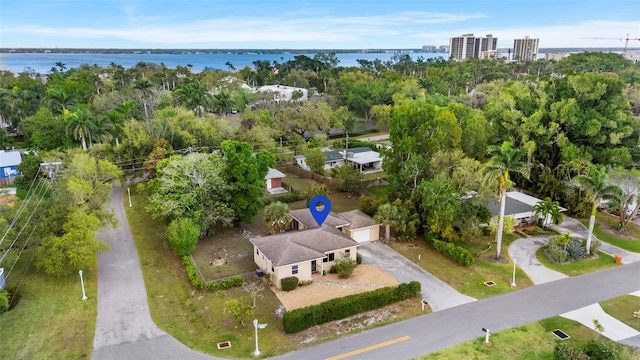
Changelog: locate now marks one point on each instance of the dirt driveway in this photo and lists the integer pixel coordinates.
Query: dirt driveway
(365, 278)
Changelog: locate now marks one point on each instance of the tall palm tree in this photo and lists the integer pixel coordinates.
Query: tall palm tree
(597, 188)
(222, 103)
(144, 88)
(59, 100)
(386, 215)
(80, 125)
(504, 160)
(549, 211)
(194, 96)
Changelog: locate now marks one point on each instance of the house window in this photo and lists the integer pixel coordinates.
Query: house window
(328, 258)
(273, 268)
(257, 251)
(294, 269)
(347, 252)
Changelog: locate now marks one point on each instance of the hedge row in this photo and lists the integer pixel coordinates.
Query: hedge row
(454, 252)
(340, 308)
(192, 272)
(225, 284)
(285, 198)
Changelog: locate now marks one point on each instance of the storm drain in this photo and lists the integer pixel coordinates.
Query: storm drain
(224, 345)
(489, 283)
(560, 334)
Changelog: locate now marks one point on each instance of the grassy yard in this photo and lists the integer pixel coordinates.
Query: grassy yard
(529, 342)
(603, 261)
(379, 191)
(467, 280)
(622, 308)
(49, 319)
(610, 223)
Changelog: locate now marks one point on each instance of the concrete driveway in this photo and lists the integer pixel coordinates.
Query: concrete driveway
(439, 295)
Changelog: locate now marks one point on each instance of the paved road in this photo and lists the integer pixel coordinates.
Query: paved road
(438, 293)
(124, 329)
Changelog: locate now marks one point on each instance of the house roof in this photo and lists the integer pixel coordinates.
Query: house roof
(518, 205)
(358, 219)
(304, 216)
(293, 247)
(334, 155)
(10, 158)
(357, 150)
(274, 174)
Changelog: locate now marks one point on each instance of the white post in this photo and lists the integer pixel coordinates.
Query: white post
(129, 193)
(486, 337)
(513, 282)
(255, 326)
(84, 295)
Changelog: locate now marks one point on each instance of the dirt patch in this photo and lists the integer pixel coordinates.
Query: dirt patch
(615, 233)
(493, 259)
(365, 278)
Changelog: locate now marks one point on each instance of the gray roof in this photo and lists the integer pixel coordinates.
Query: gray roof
(10, 158)
(304, 216)
(358, 219)
(333, 155)
(357, 150)
(274, 174)
(293, 247)
(512, 207)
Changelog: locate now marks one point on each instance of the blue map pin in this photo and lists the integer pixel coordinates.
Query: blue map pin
(320, 215)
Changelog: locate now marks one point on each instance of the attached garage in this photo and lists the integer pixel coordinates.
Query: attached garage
(361, 236)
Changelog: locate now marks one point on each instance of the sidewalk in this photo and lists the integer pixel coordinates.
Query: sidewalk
(523, 251)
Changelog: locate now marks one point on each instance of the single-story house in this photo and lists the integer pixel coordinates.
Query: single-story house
(519, 206)
(355, 224)
(284, 93)
(273, 180)
(9, 161)
(363, 158)
(301, 253)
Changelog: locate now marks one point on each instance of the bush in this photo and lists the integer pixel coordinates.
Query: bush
(192, 273)
(454, 252)
(225, 284)
(285, 198)
(562, 351)
(599, 350)
(289, 283)
(4, 301)
(369, 204)
(345, 266)
(183, 234)
(358, 259)
(300, 319)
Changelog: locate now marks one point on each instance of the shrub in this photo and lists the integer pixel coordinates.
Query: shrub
(454, 252)
(285, 198)
(4, 301)
(183, 235)
(345, 266)
(369, 204)
(599, 350)
(192, 273)
(557, 252)
(576, 250)
(358, 259)
(289, 283)
(300, 319)
(562, 351)
(225, 284)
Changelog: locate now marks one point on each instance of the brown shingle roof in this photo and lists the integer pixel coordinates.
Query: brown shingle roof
(358, 219)
(297, 246)
(304, 216)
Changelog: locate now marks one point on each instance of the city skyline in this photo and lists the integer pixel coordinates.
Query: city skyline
(332, 24)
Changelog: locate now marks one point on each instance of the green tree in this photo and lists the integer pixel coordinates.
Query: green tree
(183, 235)
(80, 125)
(629, 183)
(439, 202)
(386, 215)
(244, 174)
(548, 211)
(276, 217)
(194, 96)
(347, 177)
(238, 309)
(504, 160)
(597, 187)
(316, 159)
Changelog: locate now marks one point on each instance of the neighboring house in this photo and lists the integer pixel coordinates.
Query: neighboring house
(362, 158)
(273, 181)
(284, 93)
(519, 206)
(354, 224)
(9, 161)
(301, 253)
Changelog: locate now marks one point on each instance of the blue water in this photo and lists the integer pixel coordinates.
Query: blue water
(42, 63)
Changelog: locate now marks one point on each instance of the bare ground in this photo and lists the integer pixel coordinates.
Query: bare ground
(365, 278)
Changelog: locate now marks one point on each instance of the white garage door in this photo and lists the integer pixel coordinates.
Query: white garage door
(361, 236)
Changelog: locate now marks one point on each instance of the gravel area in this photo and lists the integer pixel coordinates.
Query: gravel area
(365, 278)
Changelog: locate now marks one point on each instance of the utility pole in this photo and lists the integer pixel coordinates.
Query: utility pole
(49, 168)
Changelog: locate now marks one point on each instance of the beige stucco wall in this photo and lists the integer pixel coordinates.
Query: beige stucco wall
(374, 232)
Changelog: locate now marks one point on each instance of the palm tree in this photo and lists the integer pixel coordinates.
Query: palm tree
(222, 103)
(59, 100)
(597, 188)
(386, 215)
(277, 217)
(504, 160)
(194, 96)
(80, 125)
(144, 88)
(549, 211)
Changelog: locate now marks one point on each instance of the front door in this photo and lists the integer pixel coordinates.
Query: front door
(313, 266)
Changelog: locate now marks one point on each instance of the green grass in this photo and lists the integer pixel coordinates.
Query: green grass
(611, 223)
(379, 191)
(529, 342)
(467, 280)
(49, 321)
(575, 268)
(622, 308)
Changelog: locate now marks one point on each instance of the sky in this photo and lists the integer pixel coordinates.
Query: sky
(311, 24)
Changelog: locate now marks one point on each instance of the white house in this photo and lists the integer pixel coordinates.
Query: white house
(284, 93)
(362, 158)
(519, 206)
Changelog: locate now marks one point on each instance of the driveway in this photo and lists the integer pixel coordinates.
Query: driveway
(439, 295)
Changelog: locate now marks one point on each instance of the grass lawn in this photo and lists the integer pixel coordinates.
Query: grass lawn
(622, 308)
(225, 254)
(611, 223)
(467, 280)
(379, 191)
(575, 268)
(49, 320)
(532, 341)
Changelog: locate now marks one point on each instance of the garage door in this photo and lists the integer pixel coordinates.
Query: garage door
(361, 236)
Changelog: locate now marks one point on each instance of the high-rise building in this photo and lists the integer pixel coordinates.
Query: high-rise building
(525, 49)
(468, 46)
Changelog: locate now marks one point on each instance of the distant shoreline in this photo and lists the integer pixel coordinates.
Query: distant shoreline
(263, 51)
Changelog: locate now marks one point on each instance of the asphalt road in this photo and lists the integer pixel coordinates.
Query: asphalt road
(124, 329)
